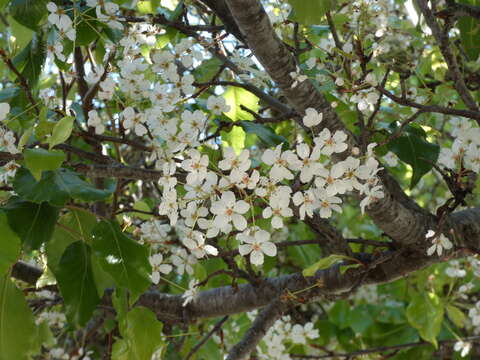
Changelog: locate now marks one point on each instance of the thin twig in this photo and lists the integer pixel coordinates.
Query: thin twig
(217, 327)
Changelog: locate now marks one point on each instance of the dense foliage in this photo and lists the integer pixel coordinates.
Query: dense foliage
(274, 179)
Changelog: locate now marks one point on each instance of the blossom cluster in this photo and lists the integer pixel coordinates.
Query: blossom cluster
(283, 333)
(465, 149)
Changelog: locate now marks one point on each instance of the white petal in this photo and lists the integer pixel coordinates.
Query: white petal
(267, 212)
(165, 268)
(269, 248)
(245, 249)
(277, 222)
(239, 222)
(241, 207)
(228, 198)
(431, 250)
(155, 277)
(209, 249)
(256, 257)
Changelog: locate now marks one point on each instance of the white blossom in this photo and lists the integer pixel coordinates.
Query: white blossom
(190, 294)
(439, 242)
(158, 267)
(217, 105)
(134, 121)
(278, 209)
(256, 244)
(95, 121)
(228, 209)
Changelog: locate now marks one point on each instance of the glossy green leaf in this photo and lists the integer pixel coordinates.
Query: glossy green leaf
(339, 314)
(33, 223)
(17, 327)
(25, 138)
(123, 258)
(39, 160)
(76, 225)
(457, 316)
(9, 245)
(264, 133)
(29, 12)
(469, 27)
(324, 264)
(61, 131)
(207, 70)
(310, 12)
(86, 28)
(141, 336)
(425, 313)
(56, 187)
(76, 282)
(31, 59)
(23, 35)
(234, 138)
(413, 148)
(235, 97)
(9, 93)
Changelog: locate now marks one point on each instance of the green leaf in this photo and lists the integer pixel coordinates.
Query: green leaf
(264, 133)
(235, 97)
(123, 258)
(207, 70)
(361, 318)
(31, 59)
(56, 187)
(324, 264)
(76, 225)
(44, 336)
(413, 148)
(8, 93)
(38, 160)
(61, 131)
(310, 12)
(17, 327)
(24, 138)
(141, 336)
(33, 223)
(344, 268)
(457, 316)
(28, 12)
(22, 34)
(234, 138)
(339, 314)
(469, 28)
(86, 29)
(9, 245)
(425, 313)
(76, 282)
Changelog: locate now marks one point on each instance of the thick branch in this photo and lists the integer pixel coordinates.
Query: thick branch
(386, 267)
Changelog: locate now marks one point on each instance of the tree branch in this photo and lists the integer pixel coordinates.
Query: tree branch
(379, 268)
(441, 36)
(216, 328)
(257, 331)
(430, 108)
